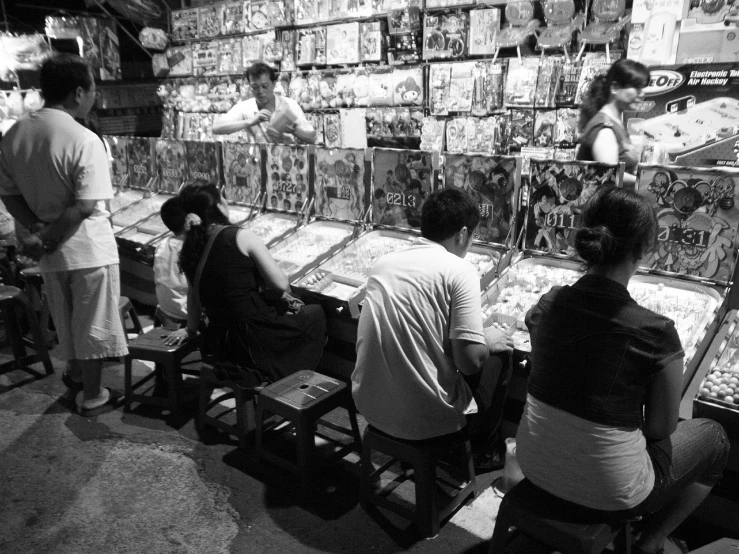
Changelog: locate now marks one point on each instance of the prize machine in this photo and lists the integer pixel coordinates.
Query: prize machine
(284, 174)
(401, 181)
(340, 194)
(556, 192)
(242, 179)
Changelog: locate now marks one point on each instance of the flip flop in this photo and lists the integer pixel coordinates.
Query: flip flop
(112, 403)
(70, 384)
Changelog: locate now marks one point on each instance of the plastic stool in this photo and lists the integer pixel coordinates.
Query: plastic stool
(125, 307)
(559, 524)
(424, 456)
(302, 398)
(150, 347)
(13, 300)
(33, 282)
(243, 386)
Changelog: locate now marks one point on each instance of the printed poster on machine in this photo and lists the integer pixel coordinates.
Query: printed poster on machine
(287, 177)
(340, 183)
(242, 171)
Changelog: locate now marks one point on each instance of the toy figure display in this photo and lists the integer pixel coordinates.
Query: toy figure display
(205, 58)
(209, 21)
(484, 26)
(118, 159)
(486, 135)
(242, 172)
(371, 41)
(203, 162)
(520, 128)
(311, 47)
(342, 43)
(402, 180)
(340, 187)
(230, 57)
(141, 161)
(404, 26)
(445, 36)
(394, 122)
(432, 134)
(544, 123)
(698, 217)
(440, 76)
(492, 182)
(171, 165)
(520, 85)
(566, 134)
(185, 24)
(488, 86)
(559, 191)
(179, 59)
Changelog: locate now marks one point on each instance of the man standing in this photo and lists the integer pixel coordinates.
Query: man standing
(54, 179)
(424, 367)
(266, 117)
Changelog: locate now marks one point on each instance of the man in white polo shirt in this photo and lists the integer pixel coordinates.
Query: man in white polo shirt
(424, 366)
(54, 180)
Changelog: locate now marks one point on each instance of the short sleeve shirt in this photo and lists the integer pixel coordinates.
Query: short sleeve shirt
(53, 161)
(405, 382)
(599, 121)
(258, 133)
(170, 284)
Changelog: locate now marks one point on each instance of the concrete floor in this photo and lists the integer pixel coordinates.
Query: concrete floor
(134, 483)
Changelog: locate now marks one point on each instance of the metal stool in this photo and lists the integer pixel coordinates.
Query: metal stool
(302, 398)
(424, 456)
(14, 304)
(125, 307)
(168, 359)
(559, 524)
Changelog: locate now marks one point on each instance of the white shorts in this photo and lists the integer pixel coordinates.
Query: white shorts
(84, 308)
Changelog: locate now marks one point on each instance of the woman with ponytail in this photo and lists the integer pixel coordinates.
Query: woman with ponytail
(603, 136)
(600, 426)
(241, 289)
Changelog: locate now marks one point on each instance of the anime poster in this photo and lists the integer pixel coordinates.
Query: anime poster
(287, 177)
(203, 162)
(242, 172)
(492, 182)
(141, 161)
(118, 158)
(558, 192)
(402, 179)
(698, 215)
(340, 186)
(171, 165)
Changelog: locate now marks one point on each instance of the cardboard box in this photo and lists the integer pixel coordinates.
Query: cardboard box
(706, 43)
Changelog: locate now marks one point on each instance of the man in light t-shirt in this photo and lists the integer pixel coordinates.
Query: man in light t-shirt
(424, 366)
(54, 180)
(266, 117)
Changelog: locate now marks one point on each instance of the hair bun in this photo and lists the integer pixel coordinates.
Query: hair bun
(595, 244)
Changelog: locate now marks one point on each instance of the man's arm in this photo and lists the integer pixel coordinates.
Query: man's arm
(235, 120)
(70, 219)
(303, 129)
(469, 357)
(21, 212)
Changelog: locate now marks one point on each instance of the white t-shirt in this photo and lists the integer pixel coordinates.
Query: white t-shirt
(53, 161)
(171, 285)
(258, 133)
(405, 382)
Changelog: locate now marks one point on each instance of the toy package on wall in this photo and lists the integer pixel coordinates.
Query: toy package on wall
(353, 126)
(310, 11)
(566, 134)
(264, 14)
(242, 171)
(332, 130)
(329, 96)
(404, 20)
(432, 134)
(287, 38)
(484, 25)
(340, 186)
(287, 177)
(375, 123)
(559, 190)
(491, 182)
(520, 128)
(169, 124)
(461, 86)
(345, 89)
(179, 59)
(488, 87)
(439, 78)
(171, 165)
(444, 36)
(209, 20)
(205, 58)
(456, 135)
(402, 180)
(185, 24)
(232, 18)
(191, 126)
(404, 49)
(547, 83)
(371, 41)
(445, 3)
(110, 58)
(230, 57)
(361, 89)
(252, 49)
(381, 88)
(408, 87)
(311, 47)
(485, 134)
(271, 48)
(342, 43)
(591, 67)
(203, 162)
(118, 158)
(544, 123)
(520, 86)
(316, 119)
(569, 78)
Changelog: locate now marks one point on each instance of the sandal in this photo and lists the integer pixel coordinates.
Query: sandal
(111, 403)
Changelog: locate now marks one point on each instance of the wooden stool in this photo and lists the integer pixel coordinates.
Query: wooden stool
(424, 456)
(559, 524)
(302, 398)
(150, 347)
(125, 307)
(14, 304)
(242, 384)
(33, 286)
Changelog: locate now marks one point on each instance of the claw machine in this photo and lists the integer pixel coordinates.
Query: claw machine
(285, 174)
(556, 193)
(242, 180)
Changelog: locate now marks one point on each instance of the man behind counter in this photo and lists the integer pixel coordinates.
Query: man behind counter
(266, 117)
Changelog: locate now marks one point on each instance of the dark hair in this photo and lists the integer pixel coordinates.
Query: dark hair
(616, 224)
(445, 212)
(172, 214)
(61, 75)
(258, 69)
(623, 73)
(379, 193)
(201, 200)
